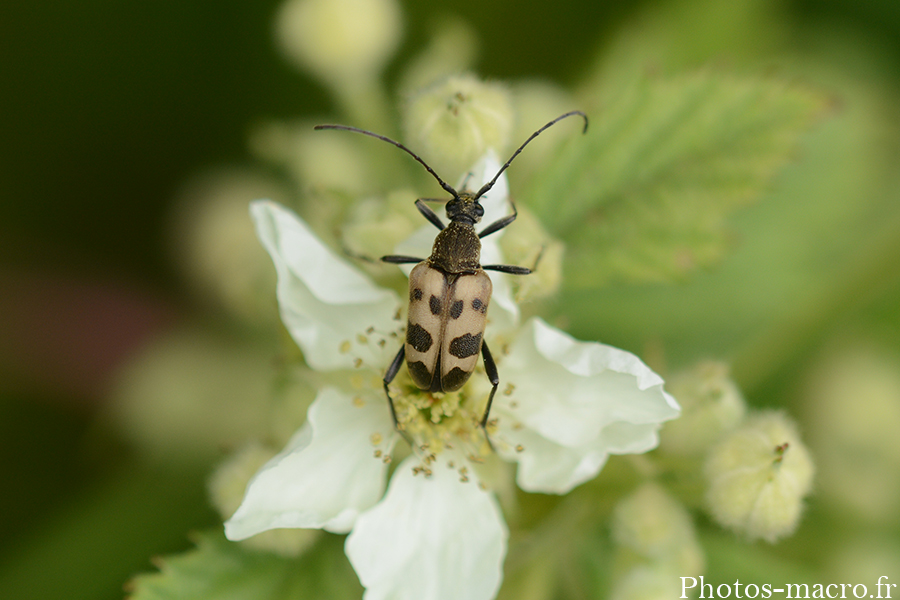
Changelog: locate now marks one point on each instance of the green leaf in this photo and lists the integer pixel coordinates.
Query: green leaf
(807, 250)
(644, 195)
(223, 570)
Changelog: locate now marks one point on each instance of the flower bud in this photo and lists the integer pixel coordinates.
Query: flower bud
(711, 405)
(758, 476)
(655, 527)
(452, 48)
(528, 244)
(647, 582)
(217, 247)
(316, 159)
(853, 409)
(376, 226)
(189, 393)
(226, 490)
(343, 42)
(454, 122)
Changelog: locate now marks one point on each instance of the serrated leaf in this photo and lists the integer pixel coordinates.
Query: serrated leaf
(218, 569)
(644, 195)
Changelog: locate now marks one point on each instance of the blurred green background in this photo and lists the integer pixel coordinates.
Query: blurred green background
(107, 109)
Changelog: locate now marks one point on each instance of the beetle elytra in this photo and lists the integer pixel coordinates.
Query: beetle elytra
(449, 291)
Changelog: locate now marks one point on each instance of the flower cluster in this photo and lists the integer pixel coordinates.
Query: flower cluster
(421, 484)
(438, 531)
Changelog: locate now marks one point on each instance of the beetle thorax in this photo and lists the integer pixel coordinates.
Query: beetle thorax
(457, 249)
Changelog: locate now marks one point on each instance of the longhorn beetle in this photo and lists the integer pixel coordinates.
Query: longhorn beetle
(449, 291)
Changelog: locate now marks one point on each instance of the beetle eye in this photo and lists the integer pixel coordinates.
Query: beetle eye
(478, 210)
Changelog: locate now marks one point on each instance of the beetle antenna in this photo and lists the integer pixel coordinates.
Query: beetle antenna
(486, 187)
(383, 138)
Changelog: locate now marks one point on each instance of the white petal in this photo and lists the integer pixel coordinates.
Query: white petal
(433, 538)
(547, 467)
(574, 404)
(551, 468)
(324, 301)
(326, 475)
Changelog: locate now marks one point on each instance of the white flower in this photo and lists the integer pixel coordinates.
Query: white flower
(563, 407)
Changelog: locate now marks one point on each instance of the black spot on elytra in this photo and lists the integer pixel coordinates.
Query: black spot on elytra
(456, 309)
(418, 338)
(415, 294)
(420, 375)
(455, 379)
(478, 305)
(434, 303)
(465, 345)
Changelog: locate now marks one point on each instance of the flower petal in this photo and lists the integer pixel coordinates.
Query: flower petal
(326, 475)
(584, 399)
(431, 538)
(551, 468)
(324, 301)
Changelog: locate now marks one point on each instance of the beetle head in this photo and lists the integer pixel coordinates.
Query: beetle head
(464, 207)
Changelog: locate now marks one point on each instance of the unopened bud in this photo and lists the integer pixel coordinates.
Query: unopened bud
(217, 247)
(758, 476)
(454, 122)
(648, 582)
(343, 42)
(452, 48)
(657, 528)
(711, 405)
(317, 160)
(853, 410)
(528, 244)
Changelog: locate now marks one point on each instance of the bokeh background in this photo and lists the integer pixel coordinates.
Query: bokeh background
(108, 112)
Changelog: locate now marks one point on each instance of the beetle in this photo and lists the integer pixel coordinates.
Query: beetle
(449, 291)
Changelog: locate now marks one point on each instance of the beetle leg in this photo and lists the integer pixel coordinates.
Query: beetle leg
(361, 257)
(428, 213)
(500, 223)
(514, 270)
(511, 269)
(400, 260)
(538, 259)
(497, 225)
(490, 368)
(389, 375)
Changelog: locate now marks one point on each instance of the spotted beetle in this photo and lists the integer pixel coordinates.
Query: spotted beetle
(449, 292)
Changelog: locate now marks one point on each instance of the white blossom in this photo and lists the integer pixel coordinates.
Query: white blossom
(562, 408)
